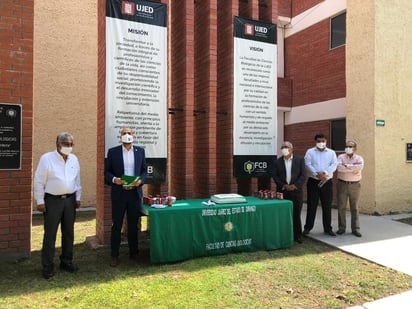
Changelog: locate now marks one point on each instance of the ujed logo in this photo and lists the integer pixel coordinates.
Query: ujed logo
(249, 167)
(128, 8)
(249, 29)
(12, 113)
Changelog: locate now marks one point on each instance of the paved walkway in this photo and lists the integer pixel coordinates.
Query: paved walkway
(384, 241)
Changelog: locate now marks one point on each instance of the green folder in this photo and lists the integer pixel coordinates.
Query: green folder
(129, 179)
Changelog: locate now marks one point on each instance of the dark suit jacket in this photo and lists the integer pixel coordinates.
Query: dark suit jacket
(298, 173)
(114, 167)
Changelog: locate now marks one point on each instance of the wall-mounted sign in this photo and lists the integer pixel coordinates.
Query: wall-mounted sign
(380, 122)
(408, 152)
(10, 136)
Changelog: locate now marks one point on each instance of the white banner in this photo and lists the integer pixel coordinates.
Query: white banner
(136, 88)
(255, 98)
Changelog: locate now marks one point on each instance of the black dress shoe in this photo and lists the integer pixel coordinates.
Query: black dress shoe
(133, 256)
(340, 232)
(114, 262)
(305, 232)
(298, 240)
(69, 267)
(356, 233)
(330, 233)
(48, 273)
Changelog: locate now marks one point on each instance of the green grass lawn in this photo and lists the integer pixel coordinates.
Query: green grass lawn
(406, 220)
(310, 275)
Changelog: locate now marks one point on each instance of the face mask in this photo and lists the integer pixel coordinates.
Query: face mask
(285, 151)
(321, 145)
(127, 138)
(349, 150)
(66, 150)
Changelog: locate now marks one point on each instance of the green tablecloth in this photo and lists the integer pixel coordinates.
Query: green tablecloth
(190, 229)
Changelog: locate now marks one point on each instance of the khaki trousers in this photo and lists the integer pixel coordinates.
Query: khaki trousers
(348, 191)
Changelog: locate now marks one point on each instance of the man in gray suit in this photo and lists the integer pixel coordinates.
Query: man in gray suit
(289, 177)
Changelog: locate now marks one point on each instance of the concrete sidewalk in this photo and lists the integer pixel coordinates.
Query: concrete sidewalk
(384, 241)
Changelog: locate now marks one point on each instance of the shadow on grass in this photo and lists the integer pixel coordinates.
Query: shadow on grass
(23, 276)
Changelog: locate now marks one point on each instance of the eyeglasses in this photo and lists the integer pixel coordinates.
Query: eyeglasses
(124, 133)
(67, 144)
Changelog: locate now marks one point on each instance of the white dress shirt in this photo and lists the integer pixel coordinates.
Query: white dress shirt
(288, 168)
(320, 161)
(128, 161)
(56, 176)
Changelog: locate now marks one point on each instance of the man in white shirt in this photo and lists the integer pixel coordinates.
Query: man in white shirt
(320, 164)
(57, 192)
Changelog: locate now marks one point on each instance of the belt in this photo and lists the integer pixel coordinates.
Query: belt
(348, 181)
(62, 196)
(128, 188)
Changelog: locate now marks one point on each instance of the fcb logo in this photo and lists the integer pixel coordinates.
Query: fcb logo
(249, 29)
(128, 8)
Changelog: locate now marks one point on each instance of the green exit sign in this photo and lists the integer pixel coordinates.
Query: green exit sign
(380, 123)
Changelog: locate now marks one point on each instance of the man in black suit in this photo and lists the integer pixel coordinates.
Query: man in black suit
(129, 160)
(289, 177)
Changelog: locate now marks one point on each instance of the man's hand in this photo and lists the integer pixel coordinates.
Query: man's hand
(77, 204)
(119, 181)
(322, 176)
(291, 187)
(137, 183)
(41, 208)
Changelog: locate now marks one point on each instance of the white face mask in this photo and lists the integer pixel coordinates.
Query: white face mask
(349, 150)
(127, 138)
(285, 151)
(321, 145)
(66, 150)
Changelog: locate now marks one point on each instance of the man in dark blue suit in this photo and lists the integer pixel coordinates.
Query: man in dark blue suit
(289, 177)
(129, 160)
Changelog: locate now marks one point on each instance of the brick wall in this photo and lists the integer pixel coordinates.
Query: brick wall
(200, 101)
(284, 8)
(103, 204)
(16, 87)
(302, 136)
(299, 6)
(317, 72)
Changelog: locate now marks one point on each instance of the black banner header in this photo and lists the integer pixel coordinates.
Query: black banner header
(146, 12)
(255, 30)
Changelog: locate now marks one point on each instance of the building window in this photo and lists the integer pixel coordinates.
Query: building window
(338, 31)
(338, 134)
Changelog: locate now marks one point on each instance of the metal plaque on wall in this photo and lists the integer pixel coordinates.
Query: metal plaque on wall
(10, 136)
(408, 152)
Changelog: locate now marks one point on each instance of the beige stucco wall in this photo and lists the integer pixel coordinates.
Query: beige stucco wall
(65, 82)
(379, 79)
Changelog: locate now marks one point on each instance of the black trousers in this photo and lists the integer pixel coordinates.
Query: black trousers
(325, 194)
(129, 202)
(63, 212)
(297, 198)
